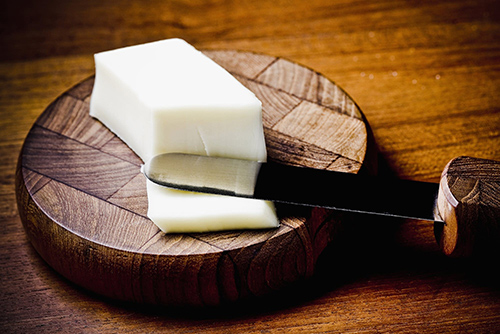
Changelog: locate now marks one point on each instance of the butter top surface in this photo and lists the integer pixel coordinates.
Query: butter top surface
(148, 69)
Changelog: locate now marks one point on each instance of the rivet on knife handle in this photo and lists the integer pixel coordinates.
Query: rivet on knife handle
(469, 203)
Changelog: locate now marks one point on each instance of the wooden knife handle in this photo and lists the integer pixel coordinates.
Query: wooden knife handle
(469, 203)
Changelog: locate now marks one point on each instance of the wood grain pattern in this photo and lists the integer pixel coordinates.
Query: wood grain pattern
(425, 74)
(83, 201)
(470, 192)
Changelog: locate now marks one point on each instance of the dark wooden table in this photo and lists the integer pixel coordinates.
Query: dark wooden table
(425, 73)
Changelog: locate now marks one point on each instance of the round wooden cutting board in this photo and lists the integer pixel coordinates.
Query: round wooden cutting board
(83, 201)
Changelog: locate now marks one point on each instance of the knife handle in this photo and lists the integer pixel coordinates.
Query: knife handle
(469, 203)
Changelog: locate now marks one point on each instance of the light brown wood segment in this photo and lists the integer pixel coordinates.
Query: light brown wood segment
(469, 202)
(81, 186)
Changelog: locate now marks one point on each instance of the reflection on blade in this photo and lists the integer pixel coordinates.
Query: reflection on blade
(204, 174)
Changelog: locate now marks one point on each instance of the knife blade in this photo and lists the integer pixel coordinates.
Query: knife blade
(467, 197)
(295, 185)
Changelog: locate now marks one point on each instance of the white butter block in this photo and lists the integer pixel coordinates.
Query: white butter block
(168, 97)
(175, 211)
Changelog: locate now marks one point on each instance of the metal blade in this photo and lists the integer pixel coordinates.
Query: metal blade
(295, 185)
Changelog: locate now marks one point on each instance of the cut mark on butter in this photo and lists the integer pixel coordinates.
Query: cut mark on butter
(202, 140)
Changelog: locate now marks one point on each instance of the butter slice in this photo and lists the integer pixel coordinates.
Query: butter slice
(182, 211)
(165, 97)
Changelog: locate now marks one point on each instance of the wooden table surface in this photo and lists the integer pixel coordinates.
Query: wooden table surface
(425, 73)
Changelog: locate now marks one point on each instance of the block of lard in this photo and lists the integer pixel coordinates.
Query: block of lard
(166, 96)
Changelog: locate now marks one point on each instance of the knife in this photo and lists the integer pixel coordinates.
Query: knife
(465, 204)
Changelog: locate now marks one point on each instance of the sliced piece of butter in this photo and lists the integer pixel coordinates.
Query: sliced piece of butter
(165, 97)
(176, 211)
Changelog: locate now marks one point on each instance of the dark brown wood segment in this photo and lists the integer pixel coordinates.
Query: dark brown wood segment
(83, 200)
